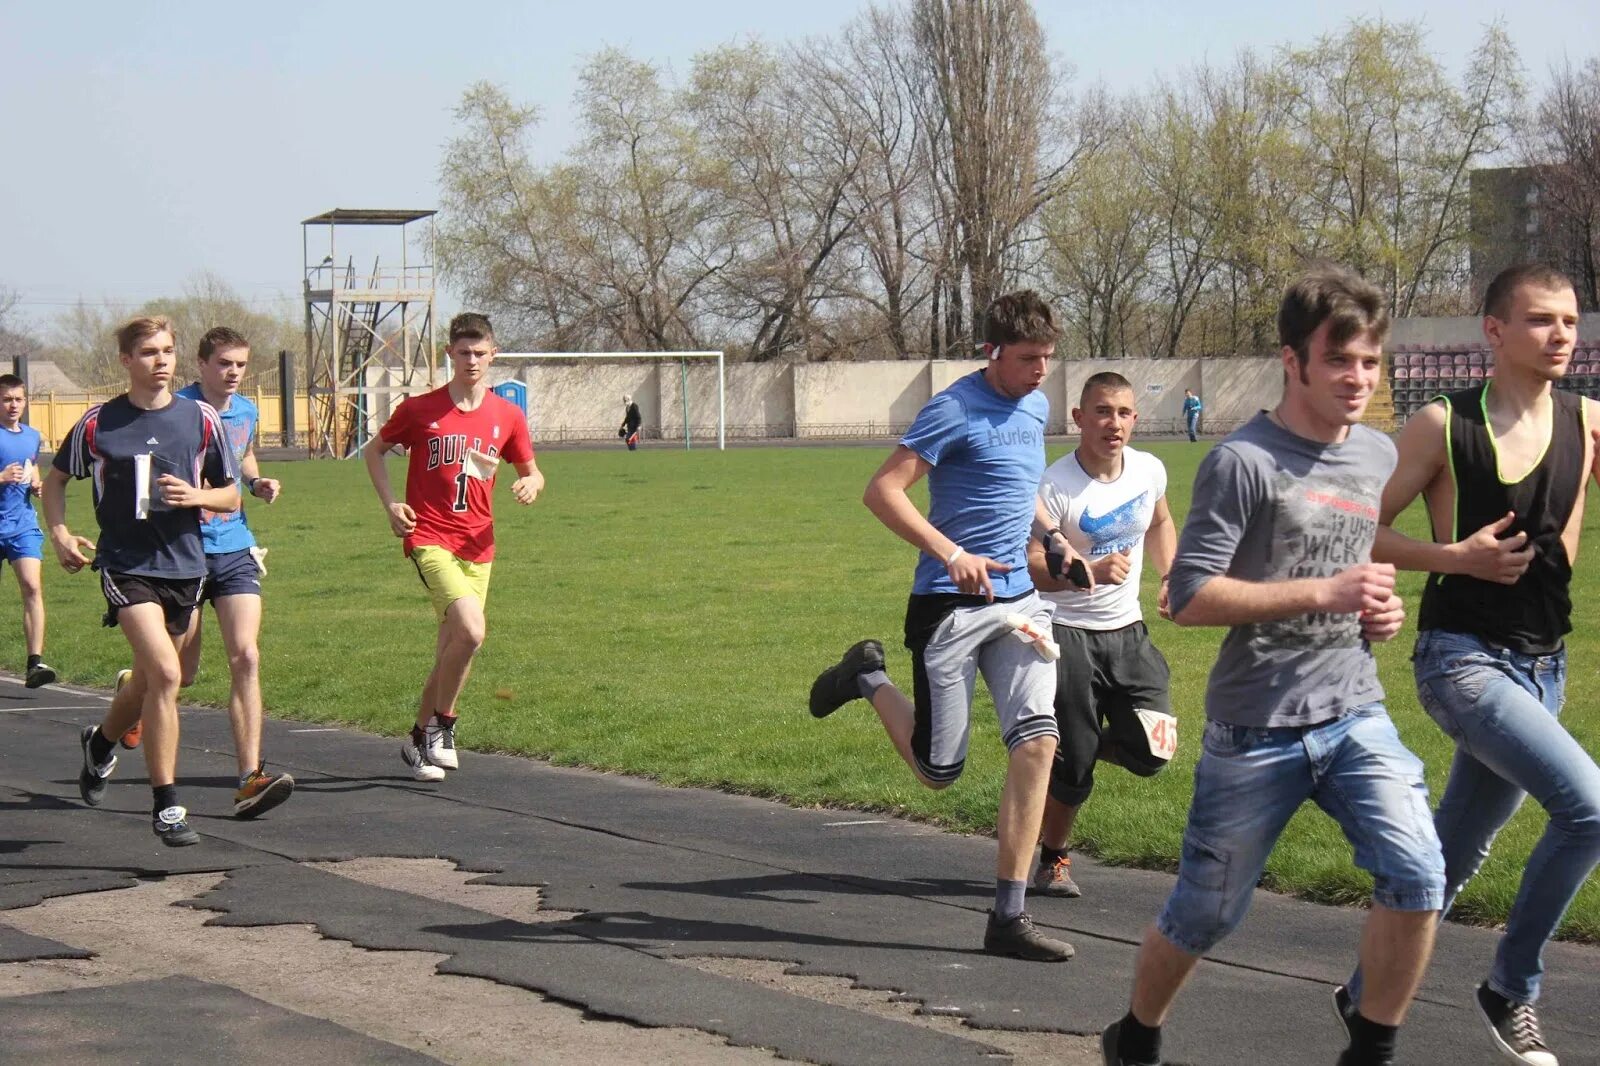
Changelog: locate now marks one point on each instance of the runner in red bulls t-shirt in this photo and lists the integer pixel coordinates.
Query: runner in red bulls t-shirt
(456, 436)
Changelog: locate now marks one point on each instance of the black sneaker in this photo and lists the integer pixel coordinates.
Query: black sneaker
(837, 685)
(39, 675)
(172, 826)
(1344, 1010)
(1108, 1048)
(1019, 939)
(92, 778)
(1514, 1027)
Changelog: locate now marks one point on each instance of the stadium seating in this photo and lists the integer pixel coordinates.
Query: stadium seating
(1419, 372)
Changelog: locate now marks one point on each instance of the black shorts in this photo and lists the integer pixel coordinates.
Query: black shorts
(231, 574)
(178, 597)
(1103, 679)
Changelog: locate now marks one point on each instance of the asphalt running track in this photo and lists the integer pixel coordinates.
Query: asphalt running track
(655, 875)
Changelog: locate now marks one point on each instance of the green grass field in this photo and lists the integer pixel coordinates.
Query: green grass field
(664, 612)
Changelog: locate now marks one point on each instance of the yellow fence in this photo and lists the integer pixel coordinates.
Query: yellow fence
(54, 414)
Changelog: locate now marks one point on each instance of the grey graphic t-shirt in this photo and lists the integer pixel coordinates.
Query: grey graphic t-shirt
(1272, 506)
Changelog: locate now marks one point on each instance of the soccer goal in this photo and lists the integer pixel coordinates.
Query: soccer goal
(583, 402)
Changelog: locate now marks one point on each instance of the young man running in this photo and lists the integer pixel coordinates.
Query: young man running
(1510, 459)
(149, 453)
(457, 436)
(233, 573)
(980, 443)
(1277, 547)
(1111, 700)
(21, 539)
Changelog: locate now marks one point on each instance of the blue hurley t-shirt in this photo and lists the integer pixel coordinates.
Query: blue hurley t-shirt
(184, 439)
(987, 454)
(20, 446)
(229, 532)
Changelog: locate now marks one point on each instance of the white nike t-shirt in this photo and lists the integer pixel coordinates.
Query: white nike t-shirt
(1101, 517)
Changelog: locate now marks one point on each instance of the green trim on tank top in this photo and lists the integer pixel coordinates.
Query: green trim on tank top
(1488, 429)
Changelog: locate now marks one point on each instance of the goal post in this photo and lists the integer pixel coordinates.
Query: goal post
(681, 358)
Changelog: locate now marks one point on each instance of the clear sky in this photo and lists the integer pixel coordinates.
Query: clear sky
(145, 143)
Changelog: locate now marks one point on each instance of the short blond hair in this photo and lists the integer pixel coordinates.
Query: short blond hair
(131, 332)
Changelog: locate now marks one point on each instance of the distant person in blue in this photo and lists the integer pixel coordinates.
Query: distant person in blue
(980, 444)
(1191, 414)
(21, 539)
(234, 567)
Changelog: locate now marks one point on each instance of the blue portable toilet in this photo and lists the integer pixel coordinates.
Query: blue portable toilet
(514, 391)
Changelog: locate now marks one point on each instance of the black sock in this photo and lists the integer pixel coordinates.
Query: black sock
(448, 721)
(416, 735)
(1049, 855)
(100, 747)
(34, 660)
(1137, 1042)
(1371, 1042)
(165, 796)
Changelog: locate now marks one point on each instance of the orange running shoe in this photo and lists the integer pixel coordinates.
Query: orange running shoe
(131, 738)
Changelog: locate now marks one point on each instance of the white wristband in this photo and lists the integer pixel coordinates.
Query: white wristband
(958, 553)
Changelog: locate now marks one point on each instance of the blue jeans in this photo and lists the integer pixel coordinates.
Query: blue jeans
(1194, 423)
(1501, 708)
(1248, 784)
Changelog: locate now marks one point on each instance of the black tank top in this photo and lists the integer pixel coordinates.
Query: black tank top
(1534, 614)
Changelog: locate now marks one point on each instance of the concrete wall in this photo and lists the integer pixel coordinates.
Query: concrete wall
(858, 399)
(1233, 390)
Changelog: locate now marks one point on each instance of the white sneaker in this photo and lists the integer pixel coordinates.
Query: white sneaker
(441, 744)
(417, 759)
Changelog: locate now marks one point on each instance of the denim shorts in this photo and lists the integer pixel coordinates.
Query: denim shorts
(1248, 784)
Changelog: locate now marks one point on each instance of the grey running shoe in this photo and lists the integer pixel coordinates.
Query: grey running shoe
(1055, 878)
(1514, 1028)
(1020, 939)
(92, 778)
(172, 826)
(40, 675)
(837, 685)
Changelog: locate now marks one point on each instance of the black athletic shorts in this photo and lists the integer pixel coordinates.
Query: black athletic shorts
(178, 597)
(231, 574)
(1103, 679)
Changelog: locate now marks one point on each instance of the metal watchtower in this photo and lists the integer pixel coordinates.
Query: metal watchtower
(369, 335)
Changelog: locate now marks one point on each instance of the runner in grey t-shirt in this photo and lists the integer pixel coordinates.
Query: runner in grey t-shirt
(1277, 548)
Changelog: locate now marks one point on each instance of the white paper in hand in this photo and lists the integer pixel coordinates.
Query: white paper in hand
(480, 466)
(141, 485)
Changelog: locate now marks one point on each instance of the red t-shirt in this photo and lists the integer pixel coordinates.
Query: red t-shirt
(455, 510)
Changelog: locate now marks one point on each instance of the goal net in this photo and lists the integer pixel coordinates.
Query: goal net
(578, 396)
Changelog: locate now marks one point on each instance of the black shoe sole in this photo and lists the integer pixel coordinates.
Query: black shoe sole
(837, 686)
(282, 788)
(179, 840)
(39, 678)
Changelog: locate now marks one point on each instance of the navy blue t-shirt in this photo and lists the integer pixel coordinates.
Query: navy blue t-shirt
(987, 454)
(184, 438)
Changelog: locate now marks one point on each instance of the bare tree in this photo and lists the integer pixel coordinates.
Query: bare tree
(1566, 149)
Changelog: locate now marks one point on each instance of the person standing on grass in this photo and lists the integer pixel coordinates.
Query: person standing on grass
(631, 421)
(1511, 459)
(457, 435)
(980, 444)
(1278, 548)
(1112, 701)
(1191, 414)
(150, 453)
(21, 539)
(233, 576)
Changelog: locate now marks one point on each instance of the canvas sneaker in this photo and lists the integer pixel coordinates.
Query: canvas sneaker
(416, 757)
(1055, 878)
(172, 826)
(131, 738)
(1020, 939)
(92, 778)
(440, 740)
(40, 675)
(261, 792)
(837, 685)
(1514, 1028)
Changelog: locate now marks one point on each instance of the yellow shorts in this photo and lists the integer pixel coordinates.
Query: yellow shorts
(448, 578)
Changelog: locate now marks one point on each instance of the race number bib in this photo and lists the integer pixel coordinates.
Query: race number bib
(1161, 731)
